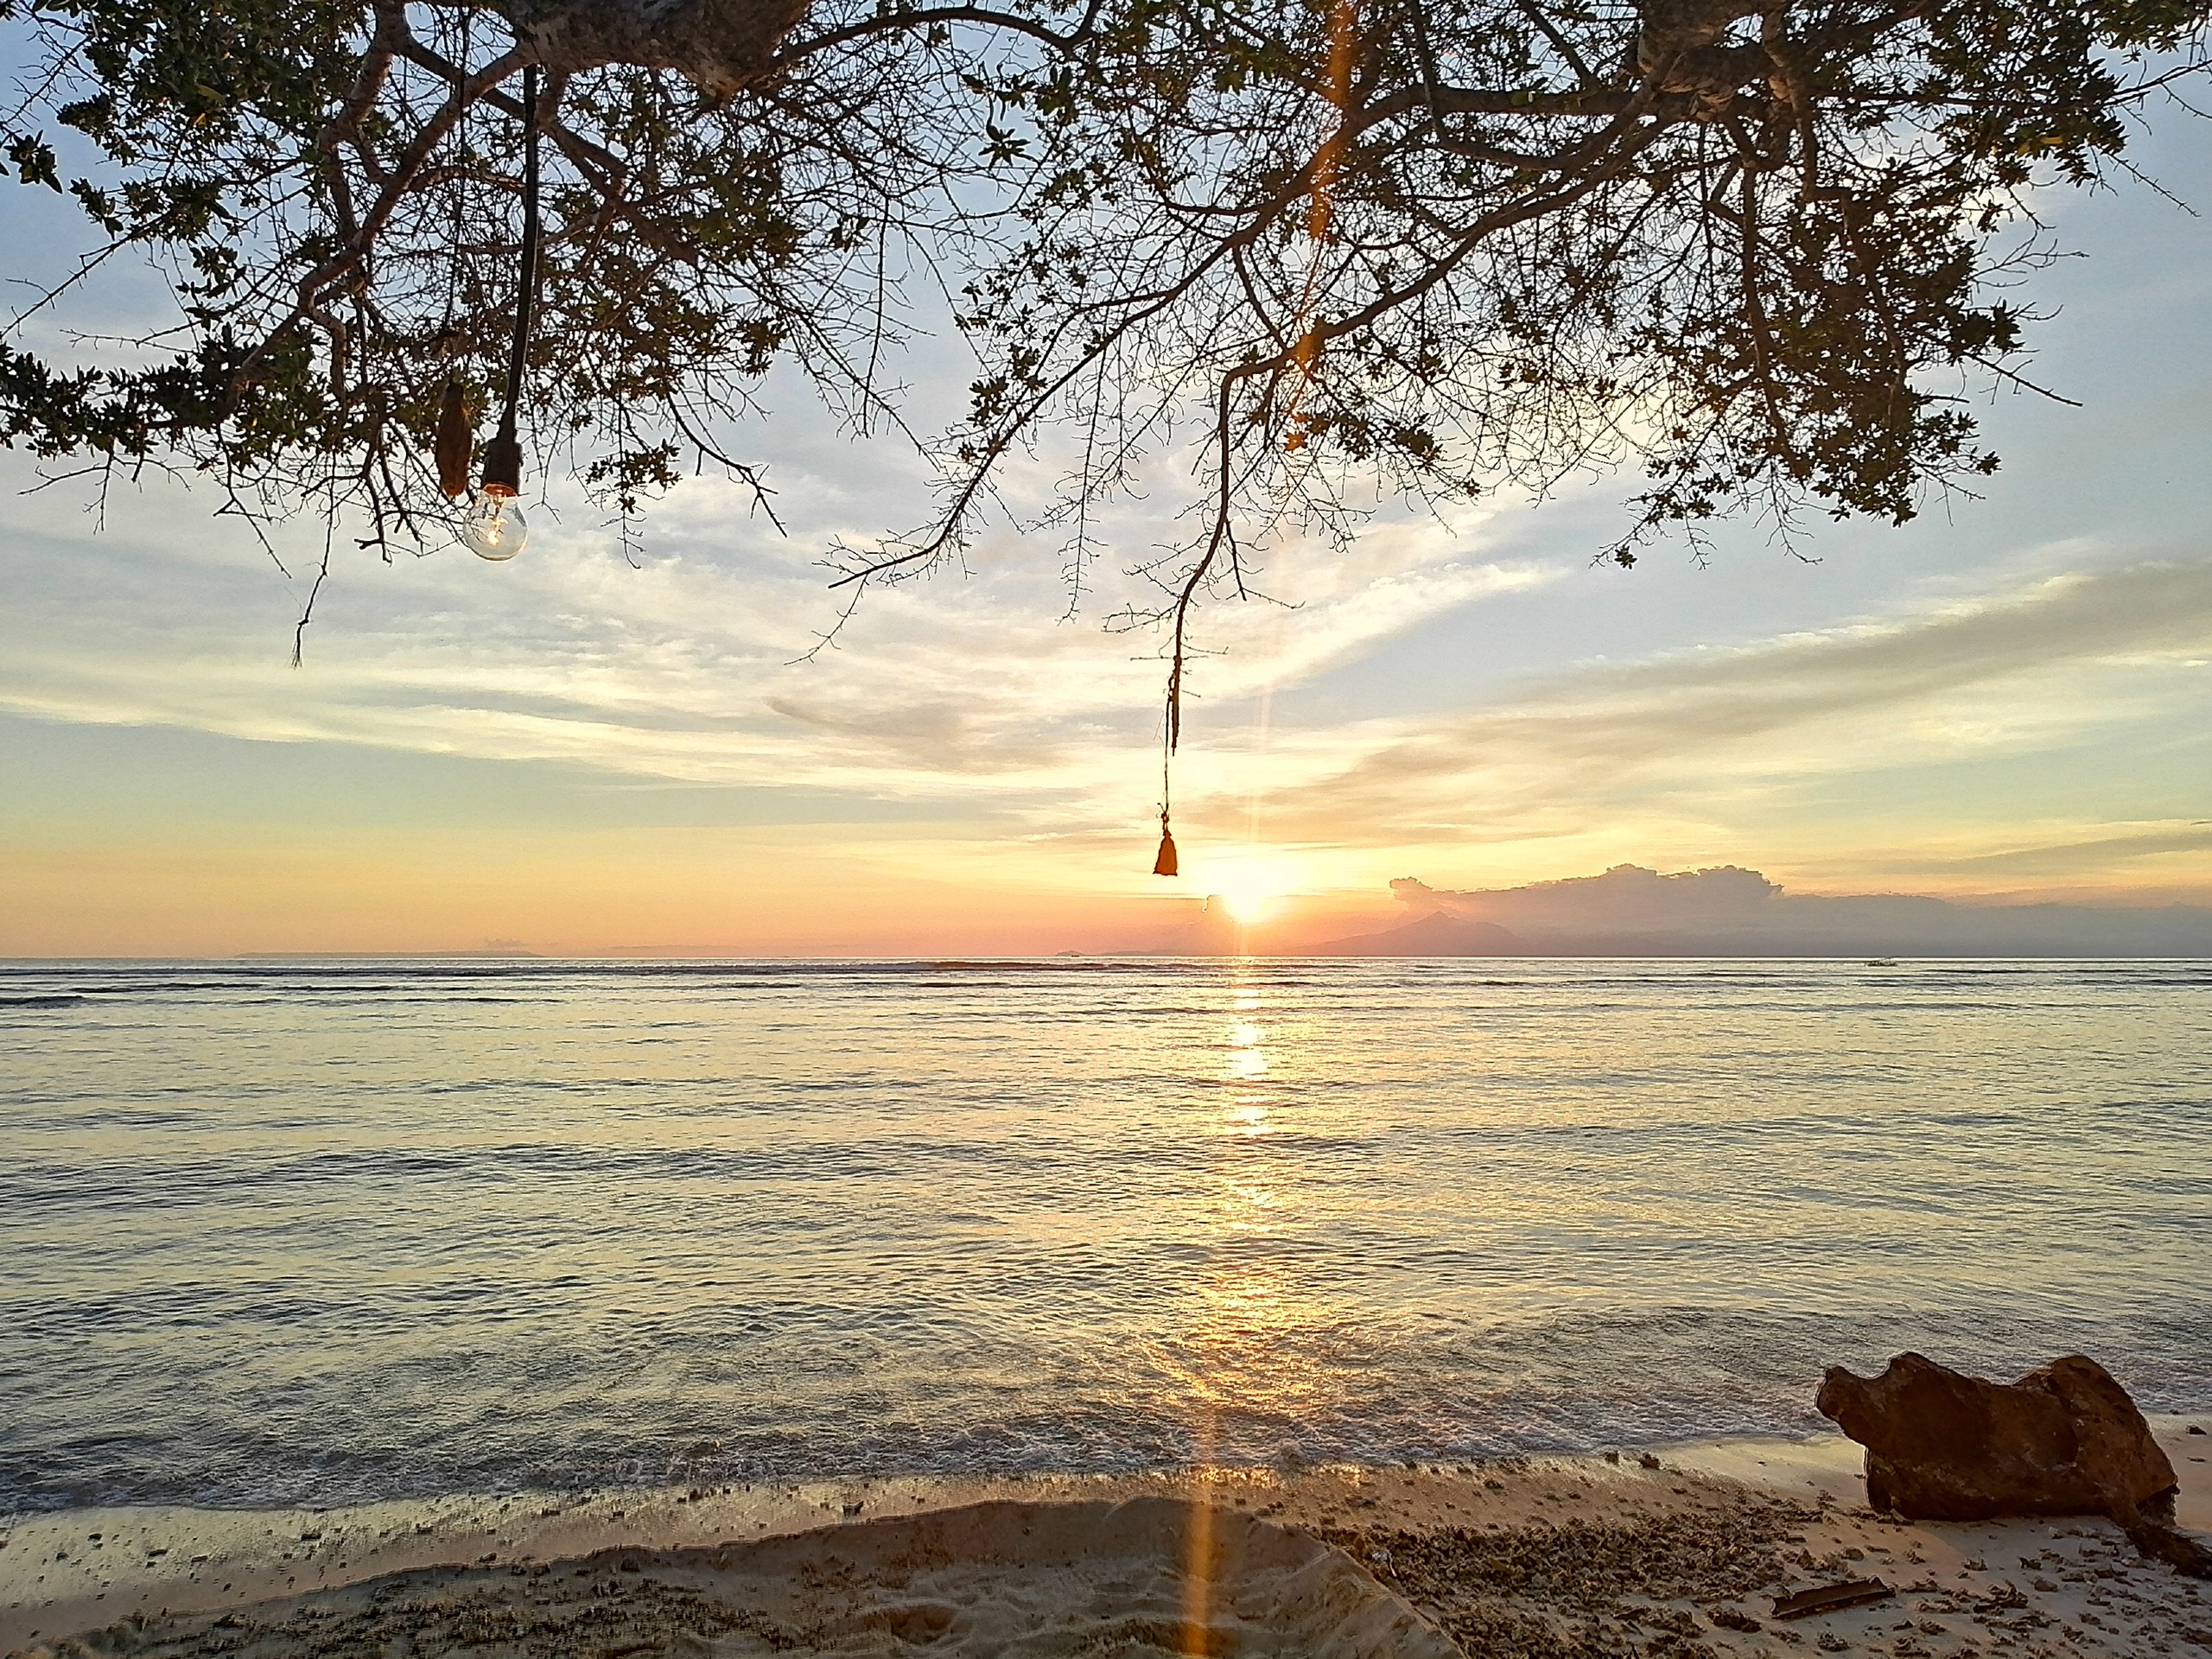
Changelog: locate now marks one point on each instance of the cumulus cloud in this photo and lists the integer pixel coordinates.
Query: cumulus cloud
(1730, 912)
(1626, 896)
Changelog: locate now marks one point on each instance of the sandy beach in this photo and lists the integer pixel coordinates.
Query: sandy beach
(1681, 1552)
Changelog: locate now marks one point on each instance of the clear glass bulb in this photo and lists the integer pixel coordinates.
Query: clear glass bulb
(493, 527)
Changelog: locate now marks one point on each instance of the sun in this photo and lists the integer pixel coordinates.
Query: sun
(1249, 905)
(1250, 893)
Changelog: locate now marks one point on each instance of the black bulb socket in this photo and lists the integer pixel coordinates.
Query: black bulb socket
(503, 466)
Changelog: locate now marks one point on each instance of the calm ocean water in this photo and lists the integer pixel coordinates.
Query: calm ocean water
(289, 1232)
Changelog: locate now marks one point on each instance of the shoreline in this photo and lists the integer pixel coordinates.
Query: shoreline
(67, 1572)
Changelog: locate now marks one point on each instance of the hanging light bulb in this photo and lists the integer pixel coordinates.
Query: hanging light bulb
(494, 528)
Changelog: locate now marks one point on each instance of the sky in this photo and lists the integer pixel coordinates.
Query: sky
(2006, 701)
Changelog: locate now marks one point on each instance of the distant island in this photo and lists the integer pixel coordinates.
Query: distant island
(1726, 911)
(387, 956)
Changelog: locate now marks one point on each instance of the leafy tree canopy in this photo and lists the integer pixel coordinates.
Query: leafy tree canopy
(1760, 252)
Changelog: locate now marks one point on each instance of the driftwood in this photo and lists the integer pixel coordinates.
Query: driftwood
(1828, 1597)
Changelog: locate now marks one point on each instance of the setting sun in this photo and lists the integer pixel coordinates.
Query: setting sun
(1251, 892)
(1249, 905)
(1228, 877)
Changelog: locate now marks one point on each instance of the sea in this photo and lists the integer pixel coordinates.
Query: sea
(317, 1232)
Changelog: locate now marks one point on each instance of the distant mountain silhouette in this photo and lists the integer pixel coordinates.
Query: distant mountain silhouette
(1432, 935)
(1730, 912)
(388, 955)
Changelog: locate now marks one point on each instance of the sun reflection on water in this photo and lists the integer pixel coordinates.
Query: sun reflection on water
(1249, 1117)
(1252, 1319)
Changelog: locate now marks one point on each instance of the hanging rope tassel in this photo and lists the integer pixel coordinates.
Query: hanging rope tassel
(1171, 729)
(456, 443)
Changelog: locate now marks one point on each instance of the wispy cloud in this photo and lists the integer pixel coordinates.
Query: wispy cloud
(2014, 670)
(2073, 857)
(689, 668)
(975, 686)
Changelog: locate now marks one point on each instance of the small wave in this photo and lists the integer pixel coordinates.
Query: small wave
(343, 1242)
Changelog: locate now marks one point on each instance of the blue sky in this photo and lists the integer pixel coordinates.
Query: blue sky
(2009, 696)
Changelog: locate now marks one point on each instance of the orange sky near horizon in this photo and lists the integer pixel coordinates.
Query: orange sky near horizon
(2009, 697)
(756, 892)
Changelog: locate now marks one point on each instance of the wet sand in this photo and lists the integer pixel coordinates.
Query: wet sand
(1547, 1558)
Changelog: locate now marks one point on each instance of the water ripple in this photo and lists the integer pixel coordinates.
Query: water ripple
(327, 1231)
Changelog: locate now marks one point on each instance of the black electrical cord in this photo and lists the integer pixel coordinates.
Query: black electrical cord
(503, 455)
